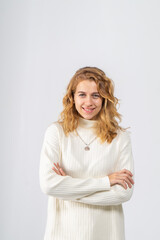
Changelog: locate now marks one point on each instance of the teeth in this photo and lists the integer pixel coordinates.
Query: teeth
(88, 110)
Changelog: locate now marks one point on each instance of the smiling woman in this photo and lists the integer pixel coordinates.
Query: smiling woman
(86, 165)
(90, 95)
(87, 100)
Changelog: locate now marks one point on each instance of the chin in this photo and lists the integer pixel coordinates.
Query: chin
(89, 117)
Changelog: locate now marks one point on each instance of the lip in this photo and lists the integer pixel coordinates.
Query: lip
(90, 110)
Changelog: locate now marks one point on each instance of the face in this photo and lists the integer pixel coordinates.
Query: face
(88, 101)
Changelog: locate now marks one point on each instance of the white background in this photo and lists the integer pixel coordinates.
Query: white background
(43, 43)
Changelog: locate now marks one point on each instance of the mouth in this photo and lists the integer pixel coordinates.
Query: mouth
(88, 110)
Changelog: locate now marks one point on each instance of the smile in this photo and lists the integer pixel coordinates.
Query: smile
(88, 110)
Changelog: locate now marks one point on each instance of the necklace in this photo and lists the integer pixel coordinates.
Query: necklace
(87, 148)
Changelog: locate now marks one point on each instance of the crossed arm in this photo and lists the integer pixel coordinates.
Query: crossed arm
(94, 191)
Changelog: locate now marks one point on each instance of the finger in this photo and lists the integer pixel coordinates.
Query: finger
(131, 179)
(62, 172)
(57, 168)
(56, 171)
(127, 178)
(123, 184)
(127, 171)
(129, 184)
(118, 180)
(58, 165)
(55, 165)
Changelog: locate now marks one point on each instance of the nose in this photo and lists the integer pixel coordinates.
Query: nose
(88, 101)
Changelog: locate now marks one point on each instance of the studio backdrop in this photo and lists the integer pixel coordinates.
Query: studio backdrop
(43, 43)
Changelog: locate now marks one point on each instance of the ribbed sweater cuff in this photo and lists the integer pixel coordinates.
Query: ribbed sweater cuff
(105, 182)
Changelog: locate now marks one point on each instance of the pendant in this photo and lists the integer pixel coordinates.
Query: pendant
(87, 148)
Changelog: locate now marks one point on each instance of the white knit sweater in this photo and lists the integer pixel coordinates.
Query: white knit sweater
(83, 205)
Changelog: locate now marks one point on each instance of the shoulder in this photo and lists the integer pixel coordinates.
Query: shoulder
(124, 136)
(51, 128)
(53, 131)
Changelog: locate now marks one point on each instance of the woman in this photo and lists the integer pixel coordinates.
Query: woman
(86, 165)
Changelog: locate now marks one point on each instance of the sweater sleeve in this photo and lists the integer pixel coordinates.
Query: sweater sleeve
(117, 194)
(63, 187)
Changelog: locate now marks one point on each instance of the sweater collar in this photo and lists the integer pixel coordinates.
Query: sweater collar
(86, 123)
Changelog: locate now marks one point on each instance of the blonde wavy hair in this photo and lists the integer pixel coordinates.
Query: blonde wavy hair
(106, 126)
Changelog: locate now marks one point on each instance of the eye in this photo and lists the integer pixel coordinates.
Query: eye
(82, 94)
(96, 96)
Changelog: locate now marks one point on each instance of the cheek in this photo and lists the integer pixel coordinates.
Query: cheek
(78, 102)
(99, 103)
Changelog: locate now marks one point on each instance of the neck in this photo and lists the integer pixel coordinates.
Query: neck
(86, 123)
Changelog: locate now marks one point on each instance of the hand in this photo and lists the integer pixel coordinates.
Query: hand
(122, 177)
(59, 170)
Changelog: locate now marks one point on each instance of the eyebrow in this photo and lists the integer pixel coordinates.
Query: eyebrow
(84, 92)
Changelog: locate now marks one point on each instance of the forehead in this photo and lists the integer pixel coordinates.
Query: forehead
(86, 85)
